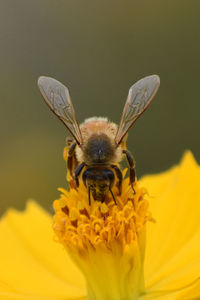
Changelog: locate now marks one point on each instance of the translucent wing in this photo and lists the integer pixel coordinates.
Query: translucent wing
(57, 97)
(139, 97)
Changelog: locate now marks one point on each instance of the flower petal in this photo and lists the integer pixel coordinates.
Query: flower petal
(173, 243)
(190, 292)
(33, 266)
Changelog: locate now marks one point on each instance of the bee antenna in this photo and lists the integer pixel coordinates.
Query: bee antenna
(113, 196)
(89, 197)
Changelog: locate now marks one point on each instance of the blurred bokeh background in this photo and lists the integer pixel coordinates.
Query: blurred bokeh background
(98, 49)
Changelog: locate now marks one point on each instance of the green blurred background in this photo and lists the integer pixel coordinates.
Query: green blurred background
(98, 49)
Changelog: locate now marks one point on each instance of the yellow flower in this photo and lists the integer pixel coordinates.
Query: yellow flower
(33, 266)
(105, 240)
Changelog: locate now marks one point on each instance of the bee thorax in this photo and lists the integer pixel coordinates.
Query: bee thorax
(98, 150)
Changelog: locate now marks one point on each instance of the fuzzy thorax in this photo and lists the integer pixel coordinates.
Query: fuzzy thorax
(103, 131)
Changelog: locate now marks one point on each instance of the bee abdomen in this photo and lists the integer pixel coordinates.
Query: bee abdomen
(98, 181)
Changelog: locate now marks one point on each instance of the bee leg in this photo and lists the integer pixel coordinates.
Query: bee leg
(112, 195)
(119, 176)
(131, 163)
(71, 153)
(77, 172)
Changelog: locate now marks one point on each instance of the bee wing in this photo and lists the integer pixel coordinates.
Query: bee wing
(139, 97)
(57, 97)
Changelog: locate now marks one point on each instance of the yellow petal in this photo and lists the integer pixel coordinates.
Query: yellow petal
(33, 266)
(173, 243)
(190, 292)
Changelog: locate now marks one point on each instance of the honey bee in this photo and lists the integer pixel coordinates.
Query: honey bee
(98, 145)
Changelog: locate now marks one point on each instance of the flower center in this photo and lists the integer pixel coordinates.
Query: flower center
(105, 240)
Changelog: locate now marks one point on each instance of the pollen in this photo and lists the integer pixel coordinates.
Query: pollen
(83, 227)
